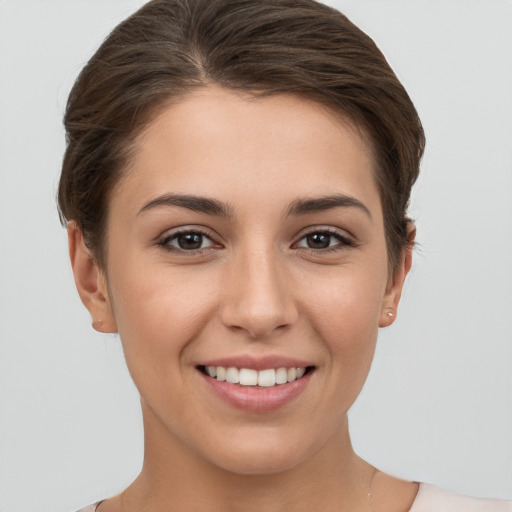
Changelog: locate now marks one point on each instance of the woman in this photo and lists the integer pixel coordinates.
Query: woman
(235, 187)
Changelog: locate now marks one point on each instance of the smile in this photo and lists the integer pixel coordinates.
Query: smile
(256, 385)
(256, 378)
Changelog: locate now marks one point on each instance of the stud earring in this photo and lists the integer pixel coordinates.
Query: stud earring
(391, 315)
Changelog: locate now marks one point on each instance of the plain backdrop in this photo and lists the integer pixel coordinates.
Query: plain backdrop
(437, 406)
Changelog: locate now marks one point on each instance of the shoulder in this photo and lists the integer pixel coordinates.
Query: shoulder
(90, 508)
(432, 499)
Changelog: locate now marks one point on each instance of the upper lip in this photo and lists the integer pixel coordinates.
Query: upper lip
(258, 363)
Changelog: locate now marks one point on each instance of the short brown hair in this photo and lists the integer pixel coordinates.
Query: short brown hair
(169, 47)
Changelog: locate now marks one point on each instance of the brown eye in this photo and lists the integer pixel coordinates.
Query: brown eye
(187, 241)
(318, 240)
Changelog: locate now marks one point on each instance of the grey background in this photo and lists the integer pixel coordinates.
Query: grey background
(438, 403)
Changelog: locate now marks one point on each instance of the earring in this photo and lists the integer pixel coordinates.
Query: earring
(391, 315)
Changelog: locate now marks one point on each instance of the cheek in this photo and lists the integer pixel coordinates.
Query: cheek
(346, 301)
(346, 310)
(158, 315)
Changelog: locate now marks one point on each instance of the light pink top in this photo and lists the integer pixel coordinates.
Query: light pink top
(432, 499)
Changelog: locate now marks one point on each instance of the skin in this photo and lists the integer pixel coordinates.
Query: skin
(254, 287)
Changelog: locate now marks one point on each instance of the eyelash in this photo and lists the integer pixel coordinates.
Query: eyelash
(165, 242)
(343, 241)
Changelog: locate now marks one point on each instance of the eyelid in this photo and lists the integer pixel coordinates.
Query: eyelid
(346, 239)
(164, 239)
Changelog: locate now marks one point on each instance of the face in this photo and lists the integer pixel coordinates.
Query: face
(247, 234)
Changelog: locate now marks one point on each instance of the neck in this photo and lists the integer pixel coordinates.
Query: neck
(174, 478)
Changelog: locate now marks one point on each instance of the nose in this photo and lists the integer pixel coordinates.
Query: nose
(258, 296)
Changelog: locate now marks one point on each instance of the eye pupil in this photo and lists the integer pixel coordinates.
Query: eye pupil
(189, 241)
(318, 240)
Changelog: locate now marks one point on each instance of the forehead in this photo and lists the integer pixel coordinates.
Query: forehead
(234, 145)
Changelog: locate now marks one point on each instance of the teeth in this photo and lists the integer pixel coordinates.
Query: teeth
(249, 377)
(267, 378)
(281, 376)
(232, 376)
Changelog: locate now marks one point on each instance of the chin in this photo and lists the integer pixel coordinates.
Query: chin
(266, 457)
(258, 464)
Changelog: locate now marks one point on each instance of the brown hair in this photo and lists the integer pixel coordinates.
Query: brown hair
(169, 47)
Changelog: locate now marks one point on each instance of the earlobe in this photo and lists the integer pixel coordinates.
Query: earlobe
(90, 282)
(394, 291)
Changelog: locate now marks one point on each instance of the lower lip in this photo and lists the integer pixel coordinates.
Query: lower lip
(257, 399)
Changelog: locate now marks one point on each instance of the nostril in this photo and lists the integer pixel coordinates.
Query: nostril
(258, 302)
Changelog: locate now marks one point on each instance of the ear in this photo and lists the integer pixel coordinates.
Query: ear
(395, 286)
(90, 282)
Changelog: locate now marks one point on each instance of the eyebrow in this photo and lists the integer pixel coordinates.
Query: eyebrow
(191, 202)
(318, 204)
(214, 207)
